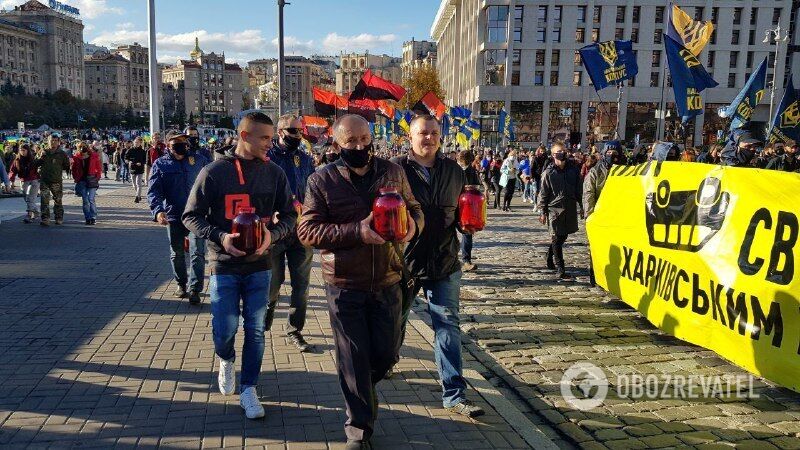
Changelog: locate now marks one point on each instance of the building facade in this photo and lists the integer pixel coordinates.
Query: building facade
(59, 57)
(302, 74)
(138, 84)
(417, 54)
(205, 86)
(523, 56)
(353, 65)
(107, 78)
(19, 56)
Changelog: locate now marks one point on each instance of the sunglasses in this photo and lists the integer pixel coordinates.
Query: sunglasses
(293, 130)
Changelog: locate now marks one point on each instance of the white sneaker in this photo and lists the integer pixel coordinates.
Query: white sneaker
(227, 376)
(248, 399)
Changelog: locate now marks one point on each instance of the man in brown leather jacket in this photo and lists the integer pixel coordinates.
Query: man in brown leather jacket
(362, 272)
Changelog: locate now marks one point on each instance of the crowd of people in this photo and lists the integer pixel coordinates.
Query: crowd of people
(323, 200)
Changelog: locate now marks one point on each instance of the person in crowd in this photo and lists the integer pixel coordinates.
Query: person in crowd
(689, 155)
(432, 255)
(86, 171)
(156, 150)
(171, 179)
(588, 162)
(537, 167)
(103, 159)
(494, 175)
(560, 205)
(740, 149)
(239, 282)
(787, 161)
(525, 178)
(362, 272)
(51, 164)
(486, 177)
(194, 142)
(711, 156)
(24, 167)
(4, 177)
(471, 178)
(508, 178)
(595, 180)
(287, 153)
(136, 157)
(330, 154)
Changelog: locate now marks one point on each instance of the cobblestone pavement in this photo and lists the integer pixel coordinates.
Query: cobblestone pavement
(529, 330)
(96, 353)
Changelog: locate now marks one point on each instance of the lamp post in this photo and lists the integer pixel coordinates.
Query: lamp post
(778, 36)
(152, 66)
(281, 61)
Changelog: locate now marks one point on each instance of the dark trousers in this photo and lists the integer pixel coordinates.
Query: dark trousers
(366, 333)
(509, 193)
(555, 253)
(497, 192)
(176, 233)
(466, 247)
(299, 260)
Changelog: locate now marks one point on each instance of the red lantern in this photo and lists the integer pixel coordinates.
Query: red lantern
(389, 215)
(251, 235)
(472, 207)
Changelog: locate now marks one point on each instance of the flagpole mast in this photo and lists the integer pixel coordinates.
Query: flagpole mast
(619, 105)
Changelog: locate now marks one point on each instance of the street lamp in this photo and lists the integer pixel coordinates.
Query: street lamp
(774, 34)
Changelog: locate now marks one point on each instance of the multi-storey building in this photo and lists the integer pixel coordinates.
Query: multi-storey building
(353, 65)
(417, 54)
(19, 56)
(205, 86)
(120, 76)
(302, 74)
(523, 56)
(138, 85)
(59, 54)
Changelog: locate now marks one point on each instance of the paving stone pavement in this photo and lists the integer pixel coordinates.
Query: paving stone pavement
(528, 329)
(97, 353)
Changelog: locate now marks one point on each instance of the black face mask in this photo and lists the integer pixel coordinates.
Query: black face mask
(357, 158)
(292, 143)
(180, 149)
(331, 157)
(560, 156)
(194, 141)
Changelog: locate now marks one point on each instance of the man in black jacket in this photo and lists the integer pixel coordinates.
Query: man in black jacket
(432, 256)
(246, 180)
(136, 157)
(787, 161)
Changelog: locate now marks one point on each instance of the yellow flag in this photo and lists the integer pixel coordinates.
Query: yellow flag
(693, 33)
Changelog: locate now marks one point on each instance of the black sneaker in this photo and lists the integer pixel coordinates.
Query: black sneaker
(88, 221)
(551, 265)
(565, 278)
(298, 341)
(137, 199)
(194, 298)
(467, 408)
(181, 292)
(94, 221)
(355, 444)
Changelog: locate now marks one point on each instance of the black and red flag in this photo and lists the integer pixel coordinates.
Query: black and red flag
(363, 107)
(327, 103)
(430, 104)
(376, 88)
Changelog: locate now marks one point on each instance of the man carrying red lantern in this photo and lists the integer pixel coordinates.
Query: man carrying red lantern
(362, 267)
(432, 256)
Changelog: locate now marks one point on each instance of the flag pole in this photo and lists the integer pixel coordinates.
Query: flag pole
(619, 105)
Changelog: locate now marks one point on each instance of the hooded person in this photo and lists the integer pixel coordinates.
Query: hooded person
(665, 151)
(596, 179)
(740, 149)
(787, 161)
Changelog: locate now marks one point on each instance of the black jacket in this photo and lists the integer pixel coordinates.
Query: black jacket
(560, 197)
(785, 163)
(136, 156)
(472, 176)
(433, 254)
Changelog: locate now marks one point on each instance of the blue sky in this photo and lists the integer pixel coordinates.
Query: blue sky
(247, 29)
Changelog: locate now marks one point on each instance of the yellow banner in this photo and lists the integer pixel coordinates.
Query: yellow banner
(709, 254)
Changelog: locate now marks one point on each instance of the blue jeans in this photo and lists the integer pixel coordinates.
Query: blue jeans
(530, 190)
(466, 247)
(442, 296)
(89, 205)
(176, 233)
(226, 293)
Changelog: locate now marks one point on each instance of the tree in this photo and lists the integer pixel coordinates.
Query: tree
(7, 88)
(423, 79)
(191, 118)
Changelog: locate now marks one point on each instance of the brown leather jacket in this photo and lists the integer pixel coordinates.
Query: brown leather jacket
(330, 222)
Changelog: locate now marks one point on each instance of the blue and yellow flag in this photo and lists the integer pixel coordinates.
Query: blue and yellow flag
(445, 125)
(460, 112)
(741, 109)
(403, 120)
(689, 79)
(609, 63)
(505, 125)
(690, 33)
(786, 124)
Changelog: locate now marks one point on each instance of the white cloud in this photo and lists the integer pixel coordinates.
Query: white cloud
(334, 42)
(90, 9)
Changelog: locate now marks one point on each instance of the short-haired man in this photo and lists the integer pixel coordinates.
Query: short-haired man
(362, 272)
(298, 166)
(560, 200)
(52, 164)
(247, 179)
(194, 142)
(157, 150)
(432, 256)
(168, 190)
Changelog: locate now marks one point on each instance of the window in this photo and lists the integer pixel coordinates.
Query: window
(749, 60)
(714, 14)
(542, 14)
(737, 16)
(776, 16)
(659, 14)
(653, 79)
(713, 38)
(497, 23)
(595, 34)
(637, 13)
(656, 58)
(620, 14)
(539, 57)
(734, 59)
(698, 13)
(732, 80)
(657, 37)
(557, 13)
(515, 77)
(576, 60)
(619, 33)
(735, 37)
(751, 39)
(541, 34)
(516, 56)
(581, 14)
(519, 11)
(580, 34)
(556, 58)
(576, 78)
(495, 63)
(753, 16)
(557, 35)
(635, 35)
(710, 59)
(538, 78)
(598, 11)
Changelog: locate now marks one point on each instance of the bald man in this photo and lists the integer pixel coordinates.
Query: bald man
(362, 272)
(240, 282)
